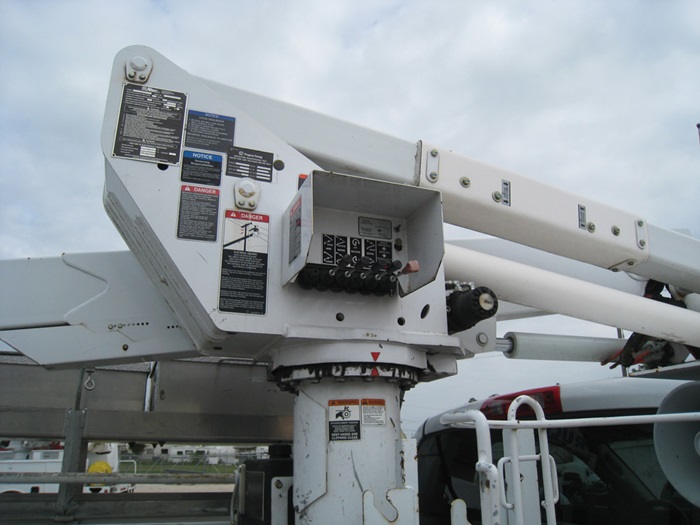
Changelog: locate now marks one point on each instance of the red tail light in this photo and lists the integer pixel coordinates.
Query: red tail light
(549, 398)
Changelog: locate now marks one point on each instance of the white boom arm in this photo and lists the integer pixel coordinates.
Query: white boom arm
(486, 198)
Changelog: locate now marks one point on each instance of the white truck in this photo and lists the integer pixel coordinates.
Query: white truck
(47, 457)
(288, 281)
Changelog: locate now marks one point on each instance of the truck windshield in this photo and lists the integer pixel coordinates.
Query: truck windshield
(607, 475)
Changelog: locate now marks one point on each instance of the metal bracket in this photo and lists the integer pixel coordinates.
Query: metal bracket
(138, 69)
(642, 234)
(279, 497)
(432, 165)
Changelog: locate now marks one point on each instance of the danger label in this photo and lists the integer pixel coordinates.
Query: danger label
(243, 284)
(198, 212)
(343, 419)
(373, 412)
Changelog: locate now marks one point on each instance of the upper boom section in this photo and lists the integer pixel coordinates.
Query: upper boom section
(248, 239)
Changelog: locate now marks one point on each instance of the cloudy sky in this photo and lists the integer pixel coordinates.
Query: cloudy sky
(595, 97)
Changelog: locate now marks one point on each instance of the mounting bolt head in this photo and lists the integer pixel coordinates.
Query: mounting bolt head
(465, 182)
(615, 231)
(497, 196)
(434, 153)
(482, 339)
(590, 227)
(642, 243)
(433, 176)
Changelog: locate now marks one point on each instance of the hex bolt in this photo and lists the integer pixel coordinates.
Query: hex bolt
(590, 227)
(432, 176)
(434, 153)
(497, 196)
(615, 231)
(465, 182)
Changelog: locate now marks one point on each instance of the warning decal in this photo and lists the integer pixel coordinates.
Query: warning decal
(374, 412)
(243, 286)
(343, 419)
(295, 231)
(150, 124)
(201, 168)
(198, 213)
(209, 131)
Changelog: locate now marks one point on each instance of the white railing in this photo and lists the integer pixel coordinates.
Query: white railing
(493, 477)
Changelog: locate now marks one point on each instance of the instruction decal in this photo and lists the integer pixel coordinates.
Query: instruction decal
(198, 213)
(244, 260)
(376, 228)
(244, 162)
(150, 124)
(335, 247)
(209, 131)
(201, 168)
(343, 419)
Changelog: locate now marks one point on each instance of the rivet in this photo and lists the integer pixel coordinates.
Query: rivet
(278, 484)
(482, 339)
(125, 347)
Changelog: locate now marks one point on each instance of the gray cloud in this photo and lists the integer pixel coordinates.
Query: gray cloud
(598, 98)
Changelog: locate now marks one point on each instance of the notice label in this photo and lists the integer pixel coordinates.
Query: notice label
(209, 131)
(343, 419)
(198, 213)
(243, 285)
(201, 168)
(150, 124)
(373, 412)
(249, 163)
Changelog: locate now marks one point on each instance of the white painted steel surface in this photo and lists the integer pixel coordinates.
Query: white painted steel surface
(531, 286)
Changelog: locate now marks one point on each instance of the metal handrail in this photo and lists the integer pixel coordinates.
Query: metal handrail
(114, 478)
